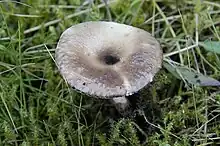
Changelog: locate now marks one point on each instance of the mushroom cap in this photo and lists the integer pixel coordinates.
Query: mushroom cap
(107, 59)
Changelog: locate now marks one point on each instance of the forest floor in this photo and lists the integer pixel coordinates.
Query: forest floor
(181, 107)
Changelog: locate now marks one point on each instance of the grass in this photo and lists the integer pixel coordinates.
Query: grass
(39, 108)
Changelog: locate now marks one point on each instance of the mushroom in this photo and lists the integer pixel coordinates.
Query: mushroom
(108, 60)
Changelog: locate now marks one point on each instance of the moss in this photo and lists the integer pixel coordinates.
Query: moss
(39, 108)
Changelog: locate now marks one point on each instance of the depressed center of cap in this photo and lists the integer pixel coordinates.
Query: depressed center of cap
(108, 57)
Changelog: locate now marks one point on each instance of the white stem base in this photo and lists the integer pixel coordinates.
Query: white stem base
(121, 103)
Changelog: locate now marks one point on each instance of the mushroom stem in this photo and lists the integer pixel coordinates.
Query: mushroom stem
(121, 103)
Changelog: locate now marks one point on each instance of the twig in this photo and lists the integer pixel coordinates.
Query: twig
(108, 10)
(65, 18)
(179, 51)
(142, 113)
(57, 20)
(171, 30)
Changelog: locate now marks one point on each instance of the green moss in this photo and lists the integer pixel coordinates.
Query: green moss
(39, 108)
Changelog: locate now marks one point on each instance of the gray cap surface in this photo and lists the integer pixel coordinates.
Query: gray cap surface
(107, 59)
